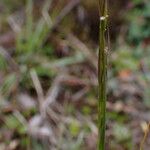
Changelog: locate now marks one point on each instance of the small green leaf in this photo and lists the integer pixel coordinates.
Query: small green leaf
(74, 128)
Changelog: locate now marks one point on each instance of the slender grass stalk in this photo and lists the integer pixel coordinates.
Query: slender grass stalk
(102, 73)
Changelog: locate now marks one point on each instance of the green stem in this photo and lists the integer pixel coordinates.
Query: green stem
(102, 74)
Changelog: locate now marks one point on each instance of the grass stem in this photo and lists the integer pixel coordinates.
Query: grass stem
(102, 73)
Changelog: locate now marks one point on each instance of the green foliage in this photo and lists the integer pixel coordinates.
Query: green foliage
(3, 63)
(122, 135)
(13, 123)
(8, 84)
(121, 132)
(31, 52)
(33, 34)
(86, 110)
(25, 142)
(139, 18)
(115, 116)
(124, 59)
(131, 58)
(74, 128)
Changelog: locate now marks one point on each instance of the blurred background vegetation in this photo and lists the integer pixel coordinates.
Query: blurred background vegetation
(48, 74)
